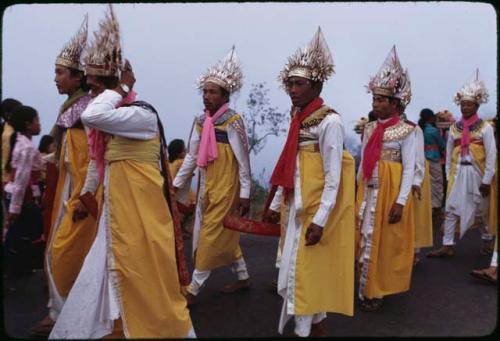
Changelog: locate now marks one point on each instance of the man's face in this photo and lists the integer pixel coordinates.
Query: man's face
(213, 97)
(96, 87)
(468, 108)
(383, 107)
(65, 82)
(300, 90)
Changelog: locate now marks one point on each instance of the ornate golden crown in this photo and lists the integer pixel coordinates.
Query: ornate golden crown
(391, 80)
(104, 55)
(313, 62)
(474, 90)
(226, 73)
(70, 55)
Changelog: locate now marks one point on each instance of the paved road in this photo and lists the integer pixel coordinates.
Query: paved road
(444, 300)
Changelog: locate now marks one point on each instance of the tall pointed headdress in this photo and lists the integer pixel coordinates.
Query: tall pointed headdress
(104, 55)
(226, 73)
(313, 62)
(475, 91)
(391, 80)
(404, 93)
(70, 55)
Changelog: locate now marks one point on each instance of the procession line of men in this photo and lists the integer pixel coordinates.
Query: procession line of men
(114, 260)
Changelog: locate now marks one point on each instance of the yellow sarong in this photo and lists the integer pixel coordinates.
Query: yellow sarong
(70, 242)
(391, 257)
(478, 154)
(218, 246)
(142, 260)
(324, 276)
(423, 213)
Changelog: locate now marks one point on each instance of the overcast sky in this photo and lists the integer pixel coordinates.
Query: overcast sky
(170, 45)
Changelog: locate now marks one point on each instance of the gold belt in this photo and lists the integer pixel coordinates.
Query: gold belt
(312, 147)
(389, 154)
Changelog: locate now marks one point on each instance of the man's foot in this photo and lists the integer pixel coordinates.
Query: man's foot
(443, 252)
(236, 286)
(190, 299)
(372, 304)
(43, 328)
(489, 275)
(318, 330)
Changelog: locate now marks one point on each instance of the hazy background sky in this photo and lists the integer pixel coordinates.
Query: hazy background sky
(170, 45)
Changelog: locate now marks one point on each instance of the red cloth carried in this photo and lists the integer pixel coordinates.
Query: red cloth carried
(284, 170)
(251, 226)
(373, 148)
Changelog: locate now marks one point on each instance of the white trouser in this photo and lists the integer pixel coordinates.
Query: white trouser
(303, 323)
(238, 267)
(494, 259)
(450, 222)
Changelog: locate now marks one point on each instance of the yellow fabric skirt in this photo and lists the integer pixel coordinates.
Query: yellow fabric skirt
(218, 246)
(478, 154)
(70, 242)
(423, 213)
(324, 277)
(143, 261)
(391, 257)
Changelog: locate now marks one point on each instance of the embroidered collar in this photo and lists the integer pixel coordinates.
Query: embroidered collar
(226, 116)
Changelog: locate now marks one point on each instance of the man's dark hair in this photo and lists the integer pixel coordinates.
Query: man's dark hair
(45, 142)
(110, 82)
(7, 107)
(318, 86)
(175, 148)
(83, 81)
(224, 92)
(395, 100)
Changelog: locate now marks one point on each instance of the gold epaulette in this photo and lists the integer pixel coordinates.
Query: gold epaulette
(456, 132)
(398, 132)
(317, 117)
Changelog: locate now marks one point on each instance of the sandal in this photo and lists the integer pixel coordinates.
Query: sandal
(485, 275)
(371, 304)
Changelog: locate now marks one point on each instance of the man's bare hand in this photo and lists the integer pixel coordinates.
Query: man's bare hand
(80, 212)
(395, 213)
(243, 206)
(272, 217)
(485, 190)
(313, 234)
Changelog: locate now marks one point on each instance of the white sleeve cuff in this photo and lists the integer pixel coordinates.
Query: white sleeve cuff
(321, 216)
(245, 193)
